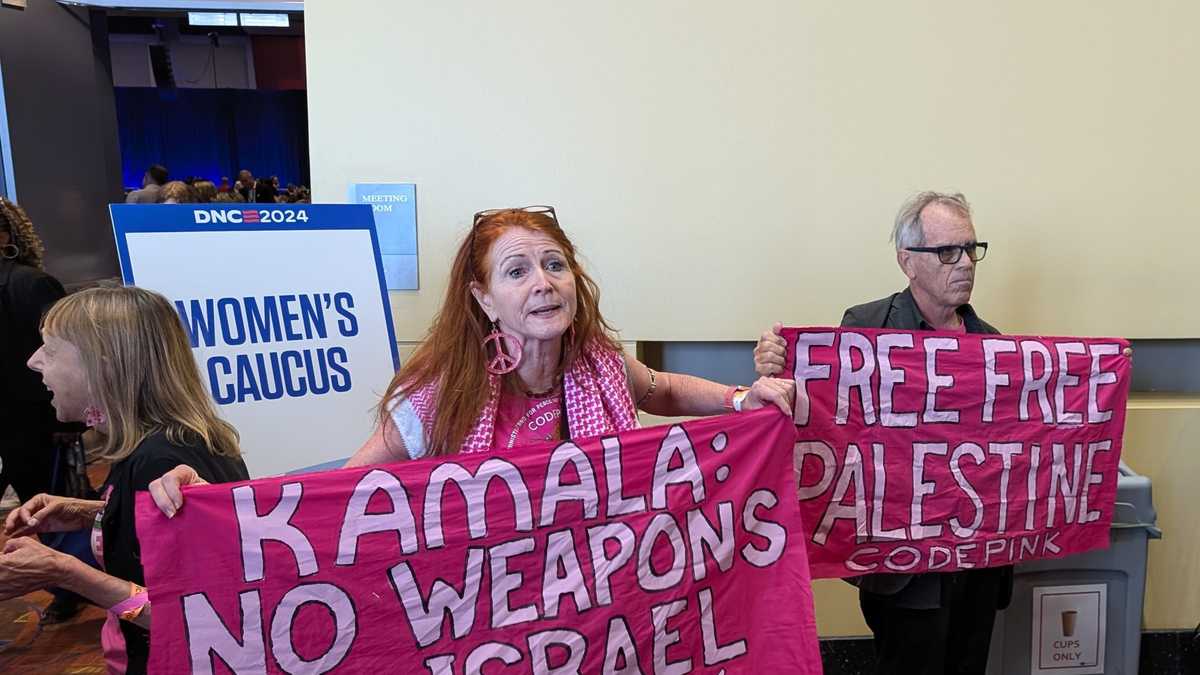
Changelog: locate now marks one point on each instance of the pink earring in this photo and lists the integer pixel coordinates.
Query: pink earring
(508, 351)
(94, 417)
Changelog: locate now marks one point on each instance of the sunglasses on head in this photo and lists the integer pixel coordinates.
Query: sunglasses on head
(538, 208)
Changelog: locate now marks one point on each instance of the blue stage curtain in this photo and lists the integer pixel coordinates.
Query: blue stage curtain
(213, 133)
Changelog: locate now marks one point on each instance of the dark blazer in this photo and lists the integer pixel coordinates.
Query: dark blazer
(25, 295)
(899, 310)
(264, 192)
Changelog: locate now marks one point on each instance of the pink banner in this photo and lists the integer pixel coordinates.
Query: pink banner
(661, 550)
(943, 451)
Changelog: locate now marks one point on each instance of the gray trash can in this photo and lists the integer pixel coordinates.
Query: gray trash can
(1082, 614)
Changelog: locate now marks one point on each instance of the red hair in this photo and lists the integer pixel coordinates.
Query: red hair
(452, 355)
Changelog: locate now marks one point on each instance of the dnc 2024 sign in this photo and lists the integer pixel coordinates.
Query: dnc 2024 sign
(287, 313)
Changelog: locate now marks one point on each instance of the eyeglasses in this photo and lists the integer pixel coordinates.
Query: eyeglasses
(952, 253)
(539, 208)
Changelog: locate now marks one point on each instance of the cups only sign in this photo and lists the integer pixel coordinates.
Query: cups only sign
(1069, 629)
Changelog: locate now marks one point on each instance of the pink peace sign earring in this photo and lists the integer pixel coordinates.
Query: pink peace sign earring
(507, 348)
(94, 416)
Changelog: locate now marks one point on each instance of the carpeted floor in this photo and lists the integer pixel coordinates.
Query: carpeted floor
(26, 646)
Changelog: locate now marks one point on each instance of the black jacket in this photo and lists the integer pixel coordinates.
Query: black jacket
(899, 310)
(25, 295)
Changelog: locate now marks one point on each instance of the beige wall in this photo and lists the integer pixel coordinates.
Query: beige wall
(700, 152)
(1162, 441)
(726, 165)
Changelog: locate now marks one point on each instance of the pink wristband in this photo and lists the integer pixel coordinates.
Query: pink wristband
(130, 604)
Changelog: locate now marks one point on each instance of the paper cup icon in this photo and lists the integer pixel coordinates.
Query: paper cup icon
(1068, 622)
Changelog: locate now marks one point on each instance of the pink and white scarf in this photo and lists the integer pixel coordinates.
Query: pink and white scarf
(596, 398)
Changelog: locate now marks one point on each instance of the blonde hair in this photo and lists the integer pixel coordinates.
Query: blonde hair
(18, 225)
(205, 191)
(139, 370)
(178, 190)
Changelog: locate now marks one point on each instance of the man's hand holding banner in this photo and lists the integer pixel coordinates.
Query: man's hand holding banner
(661, 550)
(936, 452)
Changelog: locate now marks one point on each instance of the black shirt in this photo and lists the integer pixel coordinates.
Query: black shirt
(25, 294)
(122, 553)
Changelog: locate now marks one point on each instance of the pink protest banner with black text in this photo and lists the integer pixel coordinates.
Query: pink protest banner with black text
(933, 451)
(661, 550)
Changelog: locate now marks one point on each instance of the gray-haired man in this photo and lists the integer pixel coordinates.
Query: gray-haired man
(930, 623)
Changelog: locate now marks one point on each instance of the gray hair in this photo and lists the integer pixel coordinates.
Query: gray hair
(908, 230)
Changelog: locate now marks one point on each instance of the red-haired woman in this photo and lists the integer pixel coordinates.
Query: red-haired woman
(519, 353)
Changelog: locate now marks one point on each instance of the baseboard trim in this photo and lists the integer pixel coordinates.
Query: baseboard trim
(1162, 653)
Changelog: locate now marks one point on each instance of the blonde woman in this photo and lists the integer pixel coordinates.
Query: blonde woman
(118, 360)
(206, 191)
(178, 192)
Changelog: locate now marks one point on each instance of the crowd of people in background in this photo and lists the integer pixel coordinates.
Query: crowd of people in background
(157, 188)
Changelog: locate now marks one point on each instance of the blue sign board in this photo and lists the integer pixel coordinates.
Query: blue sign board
(395, 209)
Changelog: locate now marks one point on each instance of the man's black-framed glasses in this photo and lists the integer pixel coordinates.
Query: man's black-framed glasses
(537, 208)
(952, 253)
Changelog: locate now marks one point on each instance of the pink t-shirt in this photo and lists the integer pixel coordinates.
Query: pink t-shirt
(521, 420)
